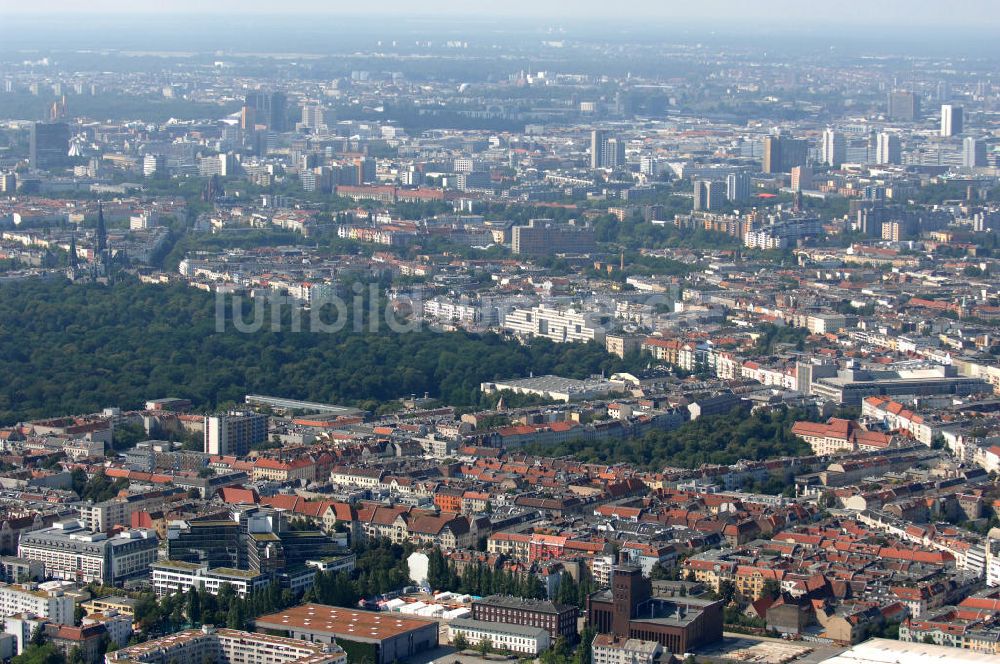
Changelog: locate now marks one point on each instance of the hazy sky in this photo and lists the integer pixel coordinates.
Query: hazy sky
(863, 13)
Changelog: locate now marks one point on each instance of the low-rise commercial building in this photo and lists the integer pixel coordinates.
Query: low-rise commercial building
(520, 639)
(118, 626)
(850, 386)
(172, 576)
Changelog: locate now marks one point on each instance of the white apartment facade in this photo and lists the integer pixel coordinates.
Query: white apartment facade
(118, 625)
(50, 604)
(601, 568)
(449, 310)
(897, 416)
(992, 558)
(351, 476)
(558, 325)
(234, 433)
(607, 650)
(102, 516)
(171, 576)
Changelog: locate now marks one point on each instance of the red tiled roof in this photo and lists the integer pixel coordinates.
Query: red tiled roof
(238, 495)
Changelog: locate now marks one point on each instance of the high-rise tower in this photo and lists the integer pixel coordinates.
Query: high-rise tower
(951, 120)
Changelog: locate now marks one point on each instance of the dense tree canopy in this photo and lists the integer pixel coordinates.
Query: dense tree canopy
(635, 233)
(97, 488)
(480, 579)
(772, 336)
(44, 654)
(77, 348)
(724, 439)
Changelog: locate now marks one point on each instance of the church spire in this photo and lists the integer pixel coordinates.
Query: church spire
(72, 251)
(102, 232)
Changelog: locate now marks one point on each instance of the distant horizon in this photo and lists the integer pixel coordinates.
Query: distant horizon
(976, 15)
(258, 28)
(611, 26)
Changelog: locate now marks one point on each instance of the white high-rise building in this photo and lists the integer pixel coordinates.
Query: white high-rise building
(234, 433)
(887, 149)
(153, 164)
(312, 117)
(218, 164)
(22, 626)
(834, 151)
(648, 165)
(973, 153)
(951, 120)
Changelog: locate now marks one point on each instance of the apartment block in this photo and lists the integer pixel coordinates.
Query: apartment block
(555, 324)
(227, 646)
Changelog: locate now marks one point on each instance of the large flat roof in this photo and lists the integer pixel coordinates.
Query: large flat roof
(338, 622)
(551, 383)
(295, 404)
(887, 651)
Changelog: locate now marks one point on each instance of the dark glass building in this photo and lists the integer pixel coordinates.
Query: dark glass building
(48, 145)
